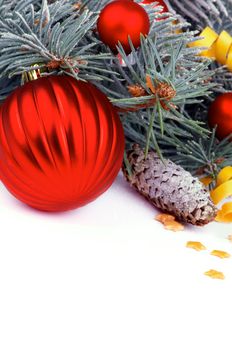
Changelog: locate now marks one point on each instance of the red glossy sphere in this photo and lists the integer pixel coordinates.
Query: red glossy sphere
(220, 114)
(120, 19)
(61, 143)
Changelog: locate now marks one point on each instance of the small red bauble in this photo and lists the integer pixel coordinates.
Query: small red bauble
(120, 19)
(61, 143)
(220, 114)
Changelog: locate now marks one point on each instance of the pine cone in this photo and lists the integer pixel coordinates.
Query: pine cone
(170, 188)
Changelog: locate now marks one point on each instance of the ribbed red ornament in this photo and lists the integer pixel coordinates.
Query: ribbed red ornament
(61, 143)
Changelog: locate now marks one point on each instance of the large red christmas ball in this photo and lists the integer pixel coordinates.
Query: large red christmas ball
(121, 19)
(220, 114)
(61, 143)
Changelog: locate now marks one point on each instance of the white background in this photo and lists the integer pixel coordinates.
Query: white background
(109, 277)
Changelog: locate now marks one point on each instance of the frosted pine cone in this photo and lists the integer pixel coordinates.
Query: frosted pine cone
(170, 188)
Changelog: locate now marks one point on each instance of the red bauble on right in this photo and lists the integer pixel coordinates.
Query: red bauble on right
(220, 114)
(121, 19)
(61, 143)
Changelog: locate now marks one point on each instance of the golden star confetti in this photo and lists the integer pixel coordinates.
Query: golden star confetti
(220, 254)
(169, 222)
(198, 246)
(215, 274)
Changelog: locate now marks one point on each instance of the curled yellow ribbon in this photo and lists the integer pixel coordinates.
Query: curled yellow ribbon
(225, 213)
(218, 47)
(222, 191)
(224, 175)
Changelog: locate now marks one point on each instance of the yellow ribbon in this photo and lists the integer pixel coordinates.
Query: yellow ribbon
(218, 47)
(225, 213)
(222, 191)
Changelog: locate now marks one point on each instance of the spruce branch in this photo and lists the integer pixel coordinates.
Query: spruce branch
(216, 14)
(214, 154)
(154, 85)
(203, 12)
(55, 37)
